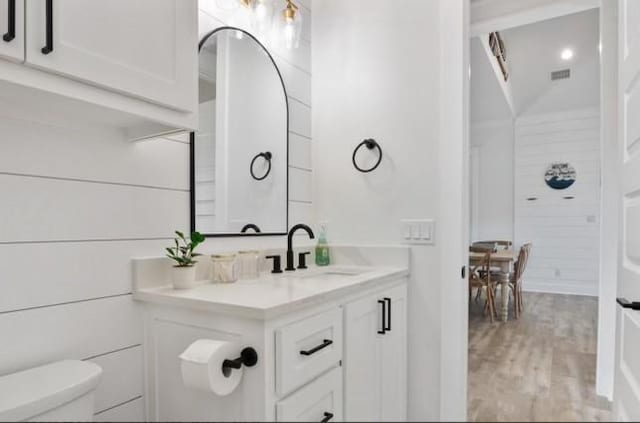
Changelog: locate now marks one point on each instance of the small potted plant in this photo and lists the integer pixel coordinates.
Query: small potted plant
(184, 273)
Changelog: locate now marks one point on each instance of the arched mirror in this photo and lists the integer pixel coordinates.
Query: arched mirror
(239, 155)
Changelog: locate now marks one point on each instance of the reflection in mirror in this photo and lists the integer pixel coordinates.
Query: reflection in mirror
(239, 161)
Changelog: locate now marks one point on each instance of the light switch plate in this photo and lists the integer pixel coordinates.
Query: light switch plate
(418, 231)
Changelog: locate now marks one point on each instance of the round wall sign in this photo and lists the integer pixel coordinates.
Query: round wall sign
(560, 175)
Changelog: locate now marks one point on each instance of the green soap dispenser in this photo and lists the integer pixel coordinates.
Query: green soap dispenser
(322, 249)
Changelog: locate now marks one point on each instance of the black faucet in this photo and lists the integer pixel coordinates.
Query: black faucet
(290, 265)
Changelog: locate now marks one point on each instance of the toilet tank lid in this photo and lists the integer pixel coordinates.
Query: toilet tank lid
(34, 391)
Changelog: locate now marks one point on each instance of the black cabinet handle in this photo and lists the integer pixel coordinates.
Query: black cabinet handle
(327, 417)
(633, 305)
(314, 350)
(11, 21)
(48, 48)
(388, 301)
(384, 316)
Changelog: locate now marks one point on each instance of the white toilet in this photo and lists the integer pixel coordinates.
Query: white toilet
(61, 391)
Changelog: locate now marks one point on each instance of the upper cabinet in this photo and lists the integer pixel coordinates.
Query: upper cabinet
(143, 48)
(131, 64)
(12, 30)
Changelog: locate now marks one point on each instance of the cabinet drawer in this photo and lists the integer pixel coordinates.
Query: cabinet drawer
(321, 400)
(307, 348)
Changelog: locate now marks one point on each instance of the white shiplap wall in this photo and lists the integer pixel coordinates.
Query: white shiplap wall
(78, 203)
(565, 233)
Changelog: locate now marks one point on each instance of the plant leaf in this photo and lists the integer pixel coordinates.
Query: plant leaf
(197, 238)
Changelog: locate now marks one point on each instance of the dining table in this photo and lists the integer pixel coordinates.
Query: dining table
(501, 259)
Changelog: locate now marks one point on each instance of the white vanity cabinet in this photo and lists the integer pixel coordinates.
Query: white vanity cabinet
(320, 356)
(142, 48)
(120, 63)
(375, 357)
(12, 30)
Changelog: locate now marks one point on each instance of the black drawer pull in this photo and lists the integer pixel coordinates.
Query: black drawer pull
(48, 48)
(388, 326)
(314, 350)
(327, 417)
(11, 21)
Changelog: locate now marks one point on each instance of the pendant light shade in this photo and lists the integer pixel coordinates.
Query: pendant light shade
(262, 16)
(290, 26)
(266, 19)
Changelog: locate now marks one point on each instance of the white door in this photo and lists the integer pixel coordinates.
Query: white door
(393, 364)
(627, 380)
(144, 48)
(362, 376)
(12, 30)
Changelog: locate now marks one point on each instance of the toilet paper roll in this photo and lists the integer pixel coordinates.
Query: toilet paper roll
(202, 366)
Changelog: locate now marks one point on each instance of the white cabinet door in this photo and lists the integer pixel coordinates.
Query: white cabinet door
(363, 379)
(626, 395)
(375, 357)
(321, 400)
(144, 48)
(12, 30)
(394, 357)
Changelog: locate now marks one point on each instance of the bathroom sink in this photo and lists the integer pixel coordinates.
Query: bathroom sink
(331, 274)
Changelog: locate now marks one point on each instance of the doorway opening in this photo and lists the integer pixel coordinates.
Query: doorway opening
(535, 170)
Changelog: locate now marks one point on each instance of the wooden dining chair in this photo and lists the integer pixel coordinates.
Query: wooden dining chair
(515, 282)
(480, 279)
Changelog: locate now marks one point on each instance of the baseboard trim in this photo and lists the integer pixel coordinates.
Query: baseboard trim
(556, 288)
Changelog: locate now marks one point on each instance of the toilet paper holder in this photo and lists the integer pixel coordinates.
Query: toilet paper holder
(248, 357)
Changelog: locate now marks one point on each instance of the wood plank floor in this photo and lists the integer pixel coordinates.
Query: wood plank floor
(541, 367)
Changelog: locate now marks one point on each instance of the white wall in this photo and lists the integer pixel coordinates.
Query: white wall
(372, 79)
(492, 189)
(565, 232)
(79, 204)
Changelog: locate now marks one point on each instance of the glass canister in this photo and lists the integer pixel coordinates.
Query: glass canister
(248, 264)
(223, 268)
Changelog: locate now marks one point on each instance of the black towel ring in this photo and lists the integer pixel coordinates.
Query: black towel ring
(267, 156)
(370, 144)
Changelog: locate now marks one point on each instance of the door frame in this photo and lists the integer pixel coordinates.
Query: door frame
(610, 212)
(453, 150)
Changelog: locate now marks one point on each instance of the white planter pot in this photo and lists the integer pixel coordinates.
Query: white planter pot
(184, 277)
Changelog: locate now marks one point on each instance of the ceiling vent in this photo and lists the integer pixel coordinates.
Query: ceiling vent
(561, 74)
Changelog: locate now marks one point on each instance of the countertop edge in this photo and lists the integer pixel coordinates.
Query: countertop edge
(153, 297)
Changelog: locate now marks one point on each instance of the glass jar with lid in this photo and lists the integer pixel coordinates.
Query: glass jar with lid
(223, 268)
(248, 264)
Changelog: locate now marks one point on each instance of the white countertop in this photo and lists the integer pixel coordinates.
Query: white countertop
(273, 294)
